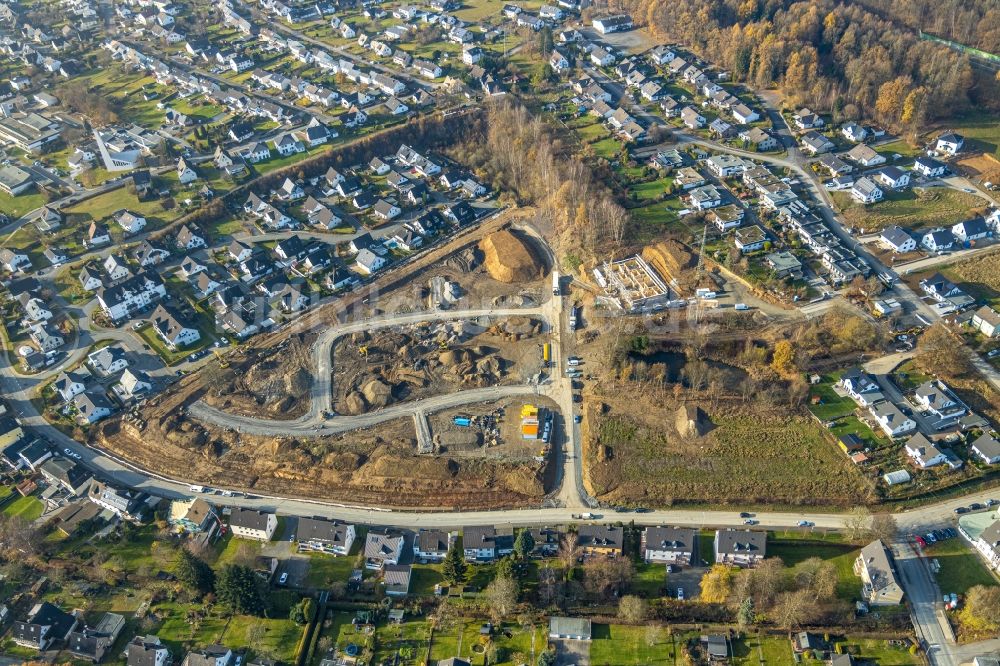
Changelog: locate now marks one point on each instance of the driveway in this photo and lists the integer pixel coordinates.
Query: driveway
(570, 652)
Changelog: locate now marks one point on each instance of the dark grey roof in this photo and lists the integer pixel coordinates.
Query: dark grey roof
(742, 542)
(249, 519)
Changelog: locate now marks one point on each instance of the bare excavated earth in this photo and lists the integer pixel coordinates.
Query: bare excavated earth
(270, 384)
(377, 466)
(375, 369)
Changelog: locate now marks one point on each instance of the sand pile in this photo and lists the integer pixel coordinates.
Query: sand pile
(509, 259)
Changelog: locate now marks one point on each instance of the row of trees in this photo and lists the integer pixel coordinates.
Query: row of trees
(836, 57)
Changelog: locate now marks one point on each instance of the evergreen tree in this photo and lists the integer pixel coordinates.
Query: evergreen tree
(194, 572)
(745, 614)
(454, 565)
(524, 544)
(237, 590)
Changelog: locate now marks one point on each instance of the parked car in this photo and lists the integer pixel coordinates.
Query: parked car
(805, 523)
(920, 541)
(960, 510)
(680, 594)
(283, 579)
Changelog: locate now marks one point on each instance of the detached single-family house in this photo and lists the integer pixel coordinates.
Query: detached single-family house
(892, 421)
(487, 543)
(866, 191)
(325, 536)
(923, 453)
(171, 329)
(949, 143)
(971, 230)
(929, 167)
(898, 239)
(938, 240)
(987, 321)
(252, 524)
(382, 548)
(877, 569)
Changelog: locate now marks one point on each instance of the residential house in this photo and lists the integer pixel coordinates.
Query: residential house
(97, 235)
(382, 548)
(815, 143)
(877, 569)
(750, 239)
(805, 119)
(923, 453)
(987, 321)
(571, 628)
(892, 421)
(325, 536)
(691, 118)
(396, 578)
(93, 643)
(190, 238)
(600, 540)
(174, 331)
(938, 240)
(431, 545)
(147, 651)
(487, 543)
(107, 361)
(131, 222)
(66, 474)
(950, 143)
(194, 515)
(987, 448)
(252, 524)
(673, 545)
(864, 190)
(70, 384)
(929, 167)
(971, 230)
(854, 132)
(893, 177)
(92, 406)
(147, 254)
(44, 625)
(898, 239)
(743, 548)
(213, 655)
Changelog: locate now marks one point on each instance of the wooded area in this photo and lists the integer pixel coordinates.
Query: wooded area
(840, 58)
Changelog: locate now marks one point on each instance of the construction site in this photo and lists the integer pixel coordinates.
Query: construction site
(374, 369)
(664, 275)
(513, 428)
(274, 384)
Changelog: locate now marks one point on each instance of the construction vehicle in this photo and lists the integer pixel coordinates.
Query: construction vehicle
(363, 350)
(547, 353)
(556, 289)
(223, 363)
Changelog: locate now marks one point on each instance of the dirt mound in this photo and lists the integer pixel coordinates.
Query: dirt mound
(674, 261)
(354, 404)
(453, 357)
(509, 259)
(377, 393)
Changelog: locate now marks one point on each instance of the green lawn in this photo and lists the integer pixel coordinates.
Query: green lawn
(607, 148)
(912, 209)
(981, 132)
(649, 579)
(841, 555)
(327, 569)
(23, 203)
(901, 147)
(961, 567)
(651, 189)
(752, 650)
(28, 508)
(621, 644)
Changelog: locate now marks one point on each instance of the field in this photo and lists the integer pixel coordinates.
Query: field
(748, 457)
(912, 209)
(842, 555)
(961, 567)
(980, 275)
